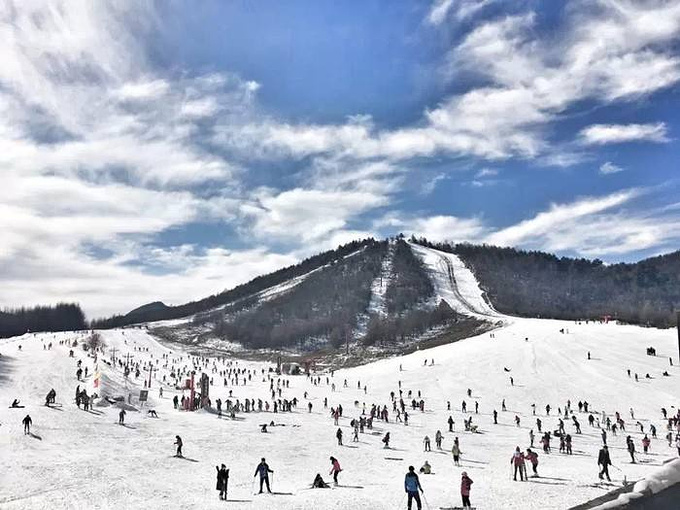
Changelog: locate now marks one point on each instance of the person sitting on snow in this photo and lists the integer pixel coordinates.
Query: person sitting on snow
(426, 469)
(318, 482)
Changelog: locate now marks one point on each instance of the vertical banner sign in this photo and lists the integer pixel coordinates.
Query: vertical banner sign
(205, 388)
(193, 394)
(97, 377)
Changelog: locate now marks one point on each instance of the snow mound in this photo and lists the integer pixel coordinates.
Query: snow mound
(661, 479)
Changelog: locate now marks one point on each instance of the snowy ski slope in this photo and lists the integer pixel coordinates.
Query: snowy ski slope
(86, 460)
(455, 283)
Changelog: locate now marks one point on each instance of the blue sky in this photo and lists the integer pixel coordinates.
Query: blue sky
(171, 150)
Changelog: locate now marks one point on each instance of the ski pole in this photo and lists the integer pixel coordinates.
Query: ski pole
(425, 499)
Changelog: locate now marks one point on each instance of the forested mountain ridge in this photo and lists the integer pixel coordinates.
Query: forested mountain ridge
(538, 284)
(333, 305)
(61, 317)
(380, 292)
(158, 311)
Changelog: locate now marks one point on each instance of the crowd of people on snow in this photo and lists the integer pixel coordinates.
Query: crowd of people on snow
(401, 402)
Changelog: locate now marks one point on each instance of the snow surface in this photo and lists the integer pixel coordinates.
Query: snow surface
(86, 460)
(379, 285)
(455, 283)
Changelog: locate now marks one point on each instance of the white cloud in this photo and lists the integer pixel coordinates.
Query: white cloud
(486, 172)
(435, 228)
(430, 185)
(558, 214)
(608, 168)
(460, 9)
(306, 215)
(439, 11)
(591, 227)
(605, 51)
(602, 134)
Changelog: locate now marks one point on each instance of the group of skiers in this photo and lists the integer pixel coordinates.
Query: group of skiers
(413, 488)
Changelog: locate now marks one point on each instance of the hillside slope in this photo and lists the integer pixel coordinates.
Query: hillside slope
(79, 459)
(536, 284)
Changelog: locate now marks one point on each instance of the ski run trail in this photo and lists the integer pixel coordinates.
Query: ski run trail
(77, 459)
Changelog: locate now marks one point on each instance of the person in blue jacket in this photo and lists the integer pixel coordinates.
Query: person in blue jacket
(263, 470)
(412, 486)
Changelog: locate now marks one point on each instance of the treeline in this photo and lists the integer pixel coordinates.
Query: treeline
(158, 311)
(392, 330)
(61, 317)
(537, 284)
(323, 307)
(409, 283)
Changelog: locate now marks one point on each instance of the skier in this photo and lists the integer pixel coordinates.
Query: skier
(604, 461)
(532, 457)
(121, 417)
(27, 424)
(178, 442)
(426, 469)
(318, 482)
(335, 469)
(386, 440)
(518, 461)
(645, 443)
(338, 434)
(465, 486)
(455, 451)
(412, 486)
(495, 417)
(631, 448)
(222, 481)
(451, 422)
(263, 470)
(531, 437)
(426, 442)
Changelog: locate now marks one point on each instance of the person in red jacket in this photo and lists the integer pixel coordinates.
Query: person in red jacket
(465, 486)
(518, 461)
(335, 469)
(532, 457)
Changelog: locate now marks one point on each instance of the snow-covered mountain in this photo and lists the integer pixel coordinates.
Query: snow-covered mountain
(388, 294)
(395, 295)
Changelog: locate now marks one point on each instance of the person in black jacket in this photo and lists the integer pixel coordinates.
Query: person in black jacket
(263, 470)
(222, 481)
(27, 424)
(604, 461)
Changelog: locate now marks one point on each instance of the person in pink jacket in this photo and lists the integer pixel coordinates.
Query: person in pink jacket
(465, 486)
(518, 461)
(335, 469)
